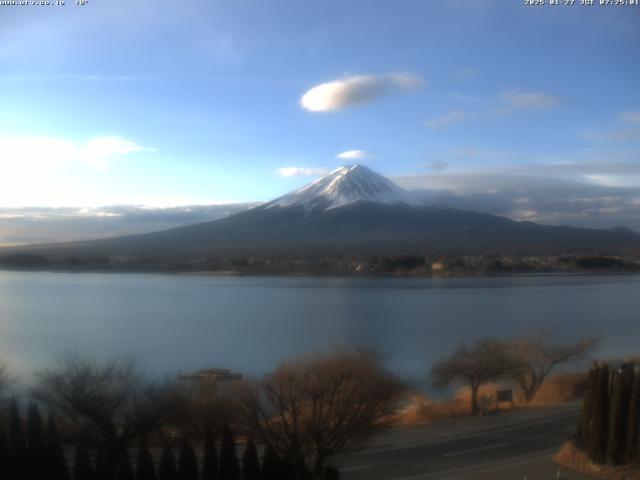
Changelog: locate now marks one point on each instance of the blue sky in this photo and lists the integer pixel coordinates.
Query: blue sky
(172, 103)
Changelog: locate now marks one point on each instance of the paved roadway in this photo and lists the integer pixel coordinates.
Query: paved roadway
(513, 445)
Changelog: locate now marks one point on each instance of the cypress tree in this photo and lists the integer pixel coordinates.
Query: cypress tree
(631, 450)
(5, 456)
(229, 466)
(250, 462)
(168, 470)
(58, 469)
(145, 469)
(36, 444)
(331, 473)
(270, 464)
(82, 467)
(629, 381)
(301, 469)
(4, 447)
(599, 430)
(17, 443)
(586, 412)
(104, 469)
(210, 459)
(187, 462)
(617, 420)
(125, 470)
(287, 472)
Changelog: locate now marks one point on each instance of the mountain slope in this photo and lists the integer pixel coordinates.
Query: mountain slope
(351, 210)
(345, 186)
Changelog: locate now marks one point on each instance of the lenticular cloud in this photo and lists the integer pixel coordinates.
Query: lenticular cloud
(355, 90)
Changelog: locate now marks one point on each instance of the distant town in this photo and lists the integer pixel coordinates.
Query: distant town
(385, 265)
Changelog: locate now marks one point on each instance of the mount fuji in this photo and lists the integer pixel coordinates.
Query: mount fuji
(352, 210)
(345, 186)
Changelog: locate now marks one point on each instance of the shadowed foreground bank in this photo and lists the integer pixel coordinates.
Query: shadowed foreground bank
(107, 421)
(303, 412)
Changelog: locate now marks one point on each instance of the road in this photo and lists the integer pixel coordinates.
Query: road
(513, 445)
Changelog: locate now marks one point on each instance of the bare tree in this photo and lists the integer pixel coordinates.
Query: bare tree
(318, 406)
(104, 404)
(476, 364)
(535, 356)
(275, 410)
(208, 405)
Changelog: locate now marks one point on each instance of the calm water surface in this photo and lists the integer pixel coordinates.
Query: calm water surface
(172, 323)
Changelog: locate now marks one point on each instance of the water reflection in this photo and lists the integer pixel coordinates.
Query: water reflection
(173, 323)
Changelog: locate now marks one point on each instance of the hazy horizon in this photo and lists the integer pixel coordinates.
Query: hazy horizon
(514, 196)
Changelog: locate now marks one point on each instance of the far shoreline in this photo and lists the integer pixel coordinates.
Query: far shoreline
(345, 275)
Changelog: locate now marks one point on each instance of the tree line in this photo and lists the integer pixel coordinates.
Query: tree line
(33, 450)
(303, 412)
(297, 416)
(525, 361)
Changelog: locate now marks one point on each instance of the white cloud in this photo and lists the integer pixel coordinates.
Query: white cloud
(300, 171)
(355, 90)
(20, 154)
(630, 117)
(507, 103)
(24, 154)
(449, 118)
(516, 100)
(45, 170)
(98, 152)
(353, 155)
(597, 195)
(626, 132)
(45, 225)
(615, 180)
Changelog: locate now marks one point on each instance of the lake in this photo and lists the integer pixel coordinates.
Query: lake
(249, 324)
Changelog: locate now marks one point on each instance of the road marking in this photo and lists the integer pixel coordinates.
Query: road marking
(375, 451)
(489, 447)
(353, 469)
(494, 468)
(483, 467)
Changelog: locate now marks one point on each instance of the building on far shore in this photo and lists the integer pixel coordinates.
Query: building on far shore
(210, 381)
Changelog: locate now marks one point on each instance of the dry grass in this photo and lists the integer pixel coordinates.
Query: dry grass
(572, 457)
(558, 389)
(420, 408)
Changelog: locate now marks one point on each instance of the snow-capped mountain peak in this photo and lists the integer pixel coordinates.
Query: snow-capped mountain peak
(344, 186)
